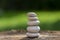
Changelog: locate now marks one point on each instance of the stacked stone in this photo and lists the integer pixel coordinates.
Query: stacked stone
(33, 22)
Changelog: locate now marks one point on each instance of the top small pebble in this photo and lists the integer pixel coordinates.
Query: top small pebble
(32, 14)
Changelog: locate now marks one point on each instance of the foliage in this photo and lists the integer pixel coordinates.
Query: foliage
(49, 21)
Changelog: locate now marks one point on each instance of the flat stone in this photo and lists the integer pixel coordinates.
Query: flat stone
(32, 14)
(32, 23)
(32, 34)
(32, 18)
(34, 29)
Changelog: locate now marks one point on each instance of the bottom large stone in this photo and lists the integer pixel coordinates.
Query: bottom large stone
(32, 34)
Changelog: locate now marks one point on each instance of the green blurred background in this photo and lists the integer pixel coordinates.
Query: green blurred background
(13, 14)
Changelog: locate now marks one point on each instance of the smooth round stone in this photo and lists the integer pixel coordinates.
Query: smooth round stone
(32, 34)
(32, 18)
(33, 23)
(33, 29)
(32, 14)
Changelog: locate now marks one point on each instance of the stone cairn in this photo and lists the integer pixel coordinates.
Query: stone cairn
(33, 28)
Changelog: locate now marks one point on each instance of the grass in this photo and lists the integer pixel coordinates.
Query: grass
(20, 21)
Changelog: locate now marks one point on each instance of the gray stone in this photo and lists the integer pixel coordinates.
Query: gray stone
(33, 23)
(33, 28)
(32, 14)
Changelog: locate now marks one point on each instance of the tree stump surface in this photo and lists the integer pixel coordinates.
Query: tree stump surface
(18, 35)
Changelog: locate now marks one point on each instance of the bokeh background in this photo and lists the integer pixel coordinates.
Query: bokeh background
(13, 14)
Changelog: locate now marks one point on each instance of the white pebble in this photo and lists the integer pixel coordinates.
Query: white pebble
(32, 23)
(32, 18)
(32, 34)
(33, 29)
(32, 14)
